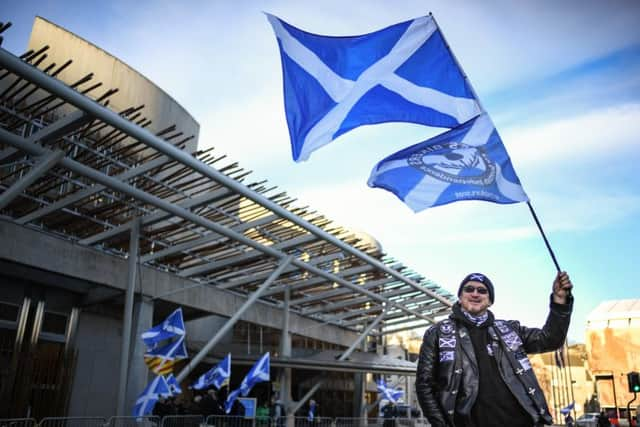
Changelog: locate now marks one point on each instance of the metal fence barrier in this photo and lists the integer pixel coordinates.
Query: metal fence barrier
(315, 422)
(146, 421)
(182, 421)
(358, 422)
(18, 422)
(73, 422)
(236, 421)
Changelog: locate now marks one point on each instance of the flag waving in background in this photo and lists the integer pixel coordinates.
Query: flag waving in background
(147, 400)
(567, 409)
(161, 360)
(391, 394)
(172, 326)
(174, 386)
(259, 372)
(217, 376)
(465, 163)
(403, 73)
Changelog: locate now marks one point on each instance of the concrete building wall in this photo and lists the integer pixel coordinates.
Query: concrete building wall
(89, 266)
(134, 88)
(98, 345)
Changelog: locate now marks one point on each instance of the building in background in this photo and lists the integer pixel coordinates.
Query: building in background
(613, 350)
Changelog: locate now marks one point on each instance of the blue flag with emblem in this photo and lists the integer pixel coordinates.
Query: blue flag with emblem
(217, 376)
(391, 394)
(465, 163)
(402, 73)
(147, 400)
(172, 326)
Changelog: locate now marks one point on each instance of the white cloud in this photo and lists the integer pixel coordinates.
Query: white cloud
(596, 134)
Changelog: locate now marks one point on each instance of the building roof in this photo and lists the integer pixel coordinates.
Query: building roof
(77, 169)
(616, 309)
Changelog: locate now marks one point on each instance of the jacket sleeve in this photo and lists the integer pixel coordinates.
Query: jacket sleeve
(426, 385)
(552, 335)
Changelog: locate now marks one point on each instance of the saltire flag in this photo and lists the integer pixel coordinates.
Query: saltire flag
(161, 360)
(391, 394)
(567, 409)
(174, 386)
(231, 397)
(172, 326)
(402, 73)
(559, 356)
(147, 400)
(466, 163)
(217, 376)
(312, 410)
(259, 372)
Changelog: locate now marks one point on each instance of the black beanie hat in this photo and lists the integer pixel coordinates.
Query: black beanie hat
(481, 278)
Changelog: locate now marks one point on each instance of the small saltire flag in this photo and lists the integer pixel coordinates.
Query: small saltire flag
(567, 409)
(161, 360)
(217, 376)
(231, 397)
(172, 326)
(465, 163)
(391, 394)
(259, 372)
(174, 386)
(147, 400)
(402, 73)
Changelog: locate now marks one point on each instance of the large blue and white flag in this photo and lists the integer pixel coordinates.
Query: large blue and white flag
(403, 73)
(259, 372)
(147, 400)
(217, 376)
(172, 326)
(391, 394)
(465, 163)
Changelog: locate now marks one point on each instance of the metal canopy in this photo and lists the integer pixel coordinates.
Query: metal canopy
(71, 166)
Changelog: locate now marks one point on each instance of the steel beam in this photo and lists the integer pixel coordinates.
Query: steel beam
(83, 194)
(18, 142)
(229, 324)
(42, 165)
(58, 88)
(209, 238)
(134, 239)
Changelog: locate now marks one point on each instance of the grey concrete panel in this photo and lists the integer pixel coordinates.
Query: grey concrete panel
(98, 345)
(33, 248)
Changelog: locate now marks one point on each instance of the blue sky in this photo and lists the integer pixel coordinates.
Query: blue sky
(561, 81)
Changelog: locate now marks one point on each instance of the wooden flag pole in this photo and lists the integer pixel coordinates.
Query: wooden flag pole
(546, 242)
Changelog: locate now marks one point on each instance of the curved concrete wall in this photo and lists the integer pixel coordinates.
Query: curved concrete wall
(134, 88)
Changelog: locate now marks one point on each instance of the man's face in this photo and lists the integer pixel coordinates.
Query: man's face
(472, 298)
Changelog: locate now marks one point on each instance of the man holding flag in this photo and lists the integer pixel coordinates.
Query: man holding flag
(473, 369)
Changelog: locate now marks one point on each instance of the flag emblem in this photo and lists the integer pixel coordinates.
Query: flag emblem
(465, 163)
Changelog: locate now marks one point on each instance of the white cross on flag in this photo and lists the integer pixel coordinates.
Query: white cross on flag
(403, 73)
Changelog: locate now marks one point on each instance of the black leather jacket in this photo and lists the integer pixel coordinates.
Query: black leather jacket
(450, 388)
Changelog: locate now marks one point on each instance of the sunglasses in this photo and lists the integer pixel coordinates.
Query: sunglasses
(469, 289)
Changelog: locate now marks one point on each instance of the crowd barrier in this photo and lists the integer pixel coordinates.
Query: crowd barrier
(212, 421)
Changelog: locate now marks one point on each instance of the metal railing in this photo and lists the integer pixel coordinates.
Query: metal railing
(212, 421)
